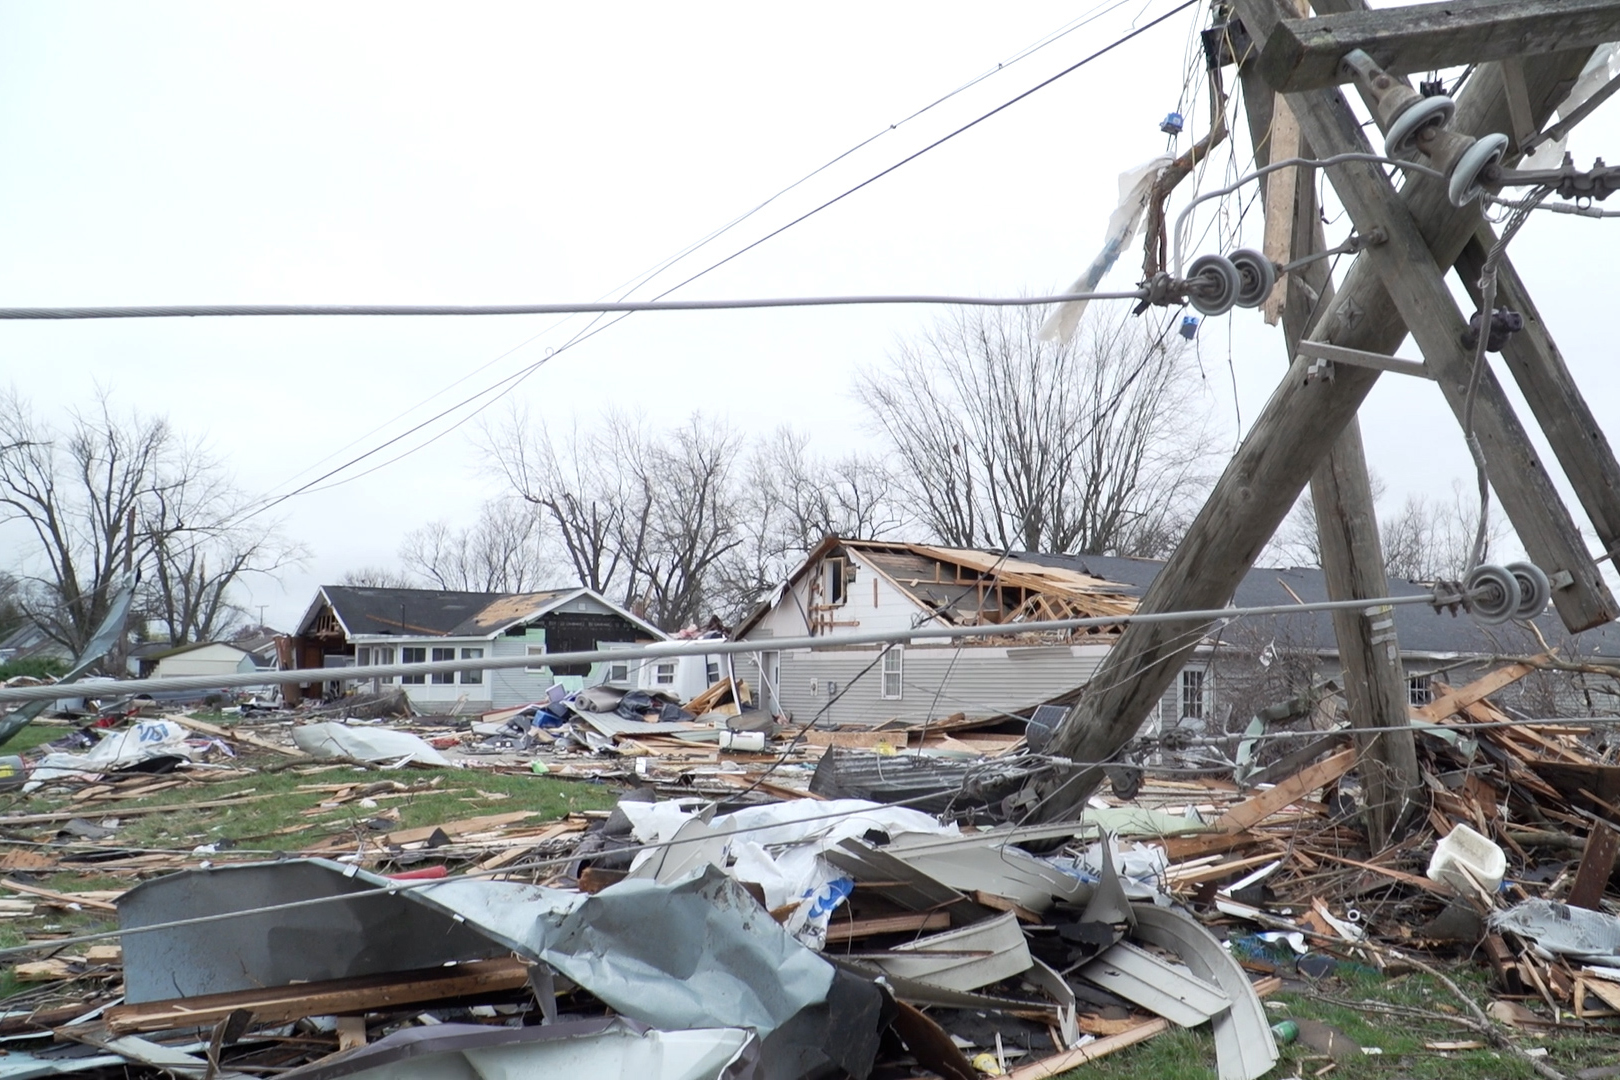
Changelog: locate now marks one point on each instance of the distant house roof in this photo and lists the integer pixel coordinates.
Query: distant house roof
(1019, 590)
(163, 652)
(1418, 627)
(29, 640)
(369, 612)
(1113, 584)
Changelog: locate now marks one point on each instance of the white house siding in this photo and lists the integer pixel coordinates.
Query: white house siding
(976, 680)
(206, 660)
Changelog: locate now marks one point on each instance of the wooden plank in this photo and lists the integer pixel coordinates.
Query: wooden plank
(1597, 866)
(130, 811)
(1147, 1029)
(1216, 871)
(458, 828)
(235, 735)
(1257, 808)
(1305, 54)
(280, 1004)
(848, 930)
(1455, 700)
(58, 897)
(863, 740)
(1281, 187)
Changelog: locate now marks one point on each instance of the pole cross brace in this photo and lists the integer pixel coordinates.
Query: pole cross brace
(1325, 355)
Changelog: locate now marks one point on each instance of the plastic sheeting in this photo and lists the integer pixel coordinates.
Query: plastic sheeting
(331, 740)
(121, 750)
(1558, 929)
(780, 849)
(1134, 185)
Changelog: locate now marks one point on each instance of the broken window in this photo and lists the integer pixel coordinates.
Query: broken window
(442, 677)
(893, 668)
(1418, 690)
(1193, 689)
(412, 654)
(835, 581)
(470, 678)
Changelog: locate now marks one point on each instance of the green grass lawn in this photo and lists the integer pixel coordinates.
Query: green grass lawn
(1403, 1040)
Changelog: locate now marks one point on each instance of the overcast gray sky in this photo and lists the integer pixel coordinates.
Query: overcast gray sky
(487, 153)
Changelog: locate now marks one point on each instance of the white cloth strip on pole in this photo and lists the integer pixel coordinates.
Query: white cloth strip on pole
(121, 687)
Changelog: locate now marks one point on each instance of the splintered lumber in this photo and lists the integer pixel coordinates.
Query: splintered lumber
(1455, 700)
(889, 924)
(131, 811)
(1147, 1029)
(1597, 864)
(281, 1004)
(458, 828)
(58, 897)
(1257, 808)
(235, 735)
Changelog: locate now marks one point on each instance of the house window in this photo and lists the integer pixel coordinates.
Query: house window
(664, 673)
(619, 671)
(711, 671)
(1418, 690)
(410, 654)
(835, 581)
(537, 650)
(440, 678)
(375, 656)
(471, 678)
(893, 667)
(1193, 690)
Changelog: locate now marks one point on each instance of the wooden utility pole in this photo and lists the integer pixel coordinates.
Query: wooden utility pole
(1352, 555)
(1390, 287)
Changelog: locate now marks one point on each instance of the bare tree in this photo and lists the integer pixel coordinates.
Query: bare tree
(791, 500)
(377, 577)
(1003, 439)
(640, 515)
(684, 515)
(500, 552)
(573, 480)
(1426, 539)
(77, 488)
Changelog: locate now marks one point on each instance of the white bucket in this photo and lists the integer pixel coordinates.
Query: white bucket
(1465, 860)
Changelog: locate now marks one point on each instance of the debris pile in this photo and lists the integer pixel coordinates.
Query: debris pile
(815, 903)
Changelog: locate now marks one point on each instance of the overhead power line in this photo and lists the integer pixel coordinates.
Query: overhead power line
(262, 310)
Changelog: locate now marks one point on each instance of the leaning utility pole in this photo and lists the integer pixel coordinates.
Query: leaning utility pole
(1374, 678)
(1528, 52)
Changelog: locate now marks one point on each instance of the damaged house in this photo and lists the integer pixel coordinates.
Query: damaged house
(846, 586)
(348, 626)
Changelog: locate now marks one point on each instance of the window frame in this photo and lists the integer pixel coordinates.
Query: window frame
(659, 672)
(1193, 680)
(895, 670)
(1419, 691)
(442, 678)
(404, 658)
(474, 677)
